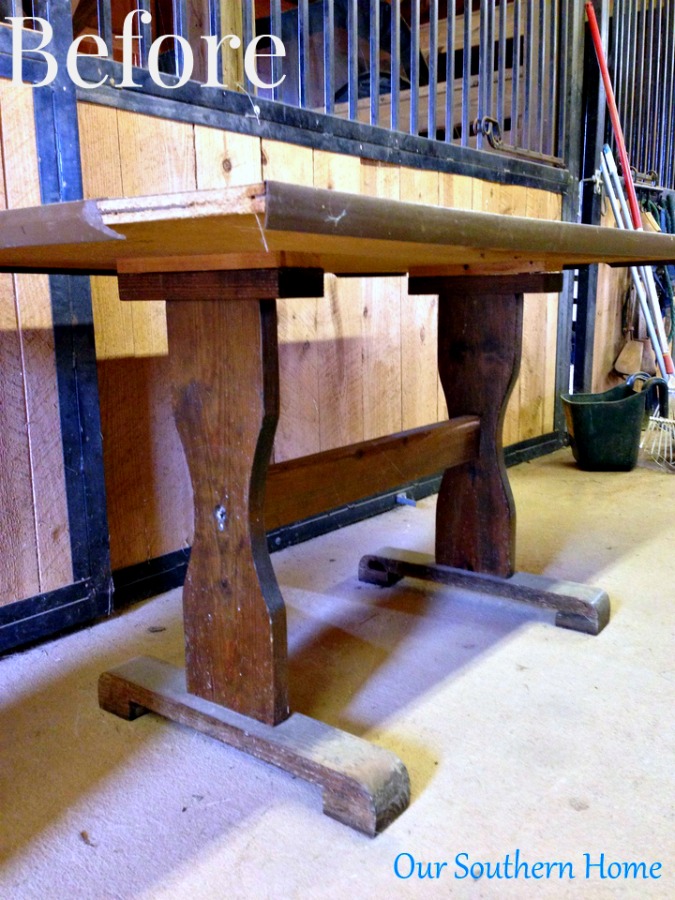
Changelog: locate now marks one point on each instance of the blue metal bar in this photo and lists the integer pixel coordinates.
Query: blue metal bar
(214, 28)
(303, 51)
(395, 63)
(450, 73)
(145, 32)
(527, 74)
(616, 55)
(433, 67)
(630, 76)
(466, 76)
(352, 58)
(104, 14)
(646, 154)
(637, 144)
(658, 94)
(540, 75)
(501, 63)
(180, 27)
(374, 45)
(515, 74)
(669, 116)
(484, 74)
(248, 32)
(414, 66)
(554, 68)
(490, 57)
(275, 29)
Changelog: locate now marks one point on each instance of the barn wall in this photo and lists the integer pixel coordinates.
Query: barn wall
(356, 364)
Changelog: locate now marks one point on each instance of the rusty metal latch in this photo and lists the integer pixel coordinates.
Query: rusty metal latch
(489, 128)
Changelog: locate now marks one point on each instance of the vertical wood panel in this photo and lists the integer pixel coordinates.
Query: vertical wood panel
(148, 488)
(156, 156)
(298, 432)
(225, 159)
(102, 177)
(41, 421)
(381, 324)
(608, 337)
(551, 343)
(19, 573)
(339, 337)
(419, 324)
(455, 192)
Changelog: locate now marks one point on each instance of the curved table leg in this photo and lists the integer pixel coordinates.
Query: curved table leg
(479, 340)
(224, 369)
(226, 404)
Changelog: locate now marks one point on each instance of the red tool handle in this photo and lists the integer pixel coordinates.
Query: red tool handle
(614, 116)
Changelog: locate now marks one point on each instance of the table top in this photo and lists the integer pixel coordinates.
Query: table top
(272, 224)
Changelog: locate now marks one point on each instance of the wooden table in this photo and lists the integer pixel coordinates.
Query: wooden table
(221, 259)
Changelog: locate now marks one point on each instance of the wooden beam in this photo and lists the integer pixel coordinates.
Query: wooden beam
(301, 488)
(233, 284)
(364, 787)
(578, 607)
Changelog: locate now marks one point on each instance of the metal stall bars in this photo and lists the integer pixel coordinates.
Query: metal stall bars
(484, 74)
(642, 64)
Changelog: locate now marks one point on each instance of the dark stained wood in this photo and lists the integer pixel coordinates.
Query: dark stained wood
(523, 283)
(241, 284)
(577, 606)
(479, 340)
(224, 369)
(364, 786)
(303, 487)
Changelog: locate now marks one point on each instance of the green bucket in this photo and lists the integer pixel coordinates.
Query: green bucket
(605, 428)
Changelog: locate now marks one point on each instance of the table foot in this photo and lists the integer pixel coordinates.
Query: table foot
(577, 606)
(364, 786)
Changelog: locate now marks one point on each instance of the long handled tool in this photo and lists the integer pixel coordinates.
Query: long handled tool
(667, 369)
(619, 216)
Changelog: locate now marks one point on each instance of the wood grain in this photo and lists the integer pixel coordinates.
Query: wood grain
(166, 153)
(299, 425)
(102, 177)
(419, 324)
(478, 358)
(381, 324)
(577, 606)
(305, 487)
(19, 573)
(339, 341)
(224, 372)
(40, 420)
(225, 158)
(364, 786)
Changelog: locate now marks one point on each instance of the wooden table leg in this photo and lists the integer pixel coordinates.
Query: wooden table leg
(224, 369)
(479, 343)
(480, 321)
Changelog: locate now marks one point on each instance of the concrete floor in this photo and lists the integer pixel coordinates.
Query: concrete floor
(517, 735)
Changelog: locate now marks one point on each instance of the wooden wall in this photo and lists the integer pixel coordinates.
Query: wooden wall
(357, 364)
(608, 335)
(34, 538)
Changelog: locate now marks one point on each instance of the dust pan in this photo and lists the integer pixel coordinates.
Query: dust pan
(629, 359)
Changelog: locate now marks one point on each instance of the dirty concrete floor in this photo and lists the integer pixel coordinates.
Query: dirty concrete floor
(517, 735)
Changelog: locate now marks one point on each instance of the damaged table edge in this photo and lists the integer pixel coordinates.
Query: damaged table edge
(237, 689)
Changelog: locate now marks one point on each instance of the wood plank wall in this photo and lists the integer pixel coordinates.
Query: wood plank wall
(34, 537)
(355, 365)
(608, 337)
